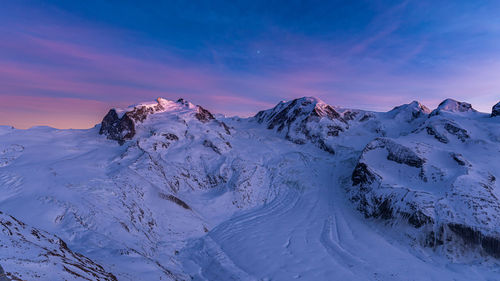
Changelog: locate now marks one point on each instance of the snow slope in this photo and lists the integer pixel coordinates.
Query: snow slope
(40, 255)
(166, 191)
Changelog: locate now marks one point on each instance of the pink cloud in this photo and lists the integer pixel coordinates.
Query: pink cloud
(95, 63)
(46, 69)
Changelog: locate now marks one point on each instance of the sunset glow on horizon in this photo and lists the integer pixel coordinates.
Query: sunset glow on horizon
(65, 63)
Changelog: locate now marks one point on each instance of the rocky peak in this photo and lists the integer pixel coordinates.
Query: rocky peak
(120, 124)
(452, 105)
(495, 110)
(203, 115)
(301, 109)
(116, 128)
(299, 121)
(183, 102)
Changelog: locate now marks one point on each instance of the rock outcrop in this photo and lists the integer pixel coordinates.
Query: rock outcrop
(445, 129)
(376, 199)
(495, 111)
(3, 276)
(116, 128)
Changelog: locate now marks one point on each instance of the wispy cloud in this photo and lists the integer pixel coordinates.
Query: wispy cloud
(88, 67)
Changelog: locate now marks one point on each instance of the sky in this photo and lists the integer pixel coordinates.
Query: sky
(66, 63)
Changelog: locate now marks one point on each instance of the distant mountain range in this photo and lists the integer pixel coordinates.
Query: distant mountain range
(166, 190)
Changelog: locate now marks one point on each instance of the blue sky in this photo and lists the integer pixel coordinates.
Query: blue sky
(64, 63)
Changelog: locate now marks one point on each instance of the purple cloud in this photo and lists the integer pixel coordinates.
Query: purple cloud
(47, 68)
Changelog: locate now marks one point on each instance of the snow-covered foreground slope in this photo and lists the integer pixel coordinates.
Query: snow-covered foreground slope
(33, 254)
(166, 191)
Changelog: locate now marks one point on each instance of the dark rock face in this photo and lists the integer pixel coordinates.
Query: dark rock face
(139, 114)
(470, 236)
(350, 115)
(325, 147)
(460, 133)
(491, 245)
(334, 130)
(459, 158)
(211, 145)
(433, 132)
(386, 208)
(170, 136)
(203, 115)
(403, 156)
(119, 129)
(226, 128)
(418, 114)
(495, 111)
(280, 118)
(417, 218)
(397, 152)
(443, 128)
(366, 117)
(3, 277)
(122, 129)
(362, 175)
(174, 199)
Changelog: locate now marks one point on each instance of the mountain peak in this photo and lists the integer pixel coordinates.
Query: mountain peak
(409, 112)
(412, 106)
(297, 118)
(120, 123)
(417, 104)
(451, 105)
(495, 111)
(298, 109)
(304, 104)
(160, 105)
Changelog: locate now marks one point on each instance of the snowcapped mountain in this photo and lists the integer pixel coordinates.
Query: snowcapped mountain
(303, 120)
(165, 190)
(440, 179)
(409, 112)
(120, 124)
(451, 105)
